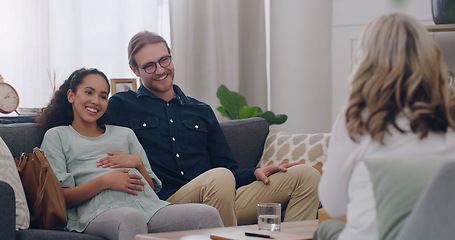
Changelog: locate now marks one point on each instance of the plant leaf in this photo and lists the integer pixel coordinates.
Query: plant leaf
(256, 111)
(234, 106)
(222, 111)
(232, 102)
(272, 118)
(247, 112)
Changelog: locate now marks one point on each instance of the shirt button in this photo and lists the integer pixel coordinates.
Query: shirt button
(173, 139)
(196, 126)
(167, 104)
(171, 121)
(177, 155)
(144, 124)
(181, 172)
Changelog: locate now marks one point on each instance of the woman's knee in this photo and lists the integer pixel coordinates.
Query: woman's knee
(186, 216)
(132, 216)
(208, 216)
(329, 230)
(118, 223)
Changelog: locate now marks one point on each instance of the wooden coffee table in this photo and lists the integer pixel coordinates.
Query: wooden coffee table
(289, 231)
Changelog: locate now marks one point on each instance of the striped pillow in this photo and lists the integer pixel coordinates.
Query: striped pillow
(9, 174)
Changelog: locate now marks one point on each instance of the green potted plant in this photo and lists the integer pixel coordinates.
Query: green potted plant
(234, 106)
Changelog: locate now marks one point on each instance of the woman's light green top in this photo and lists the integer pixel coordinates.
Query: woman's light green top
(73, 159)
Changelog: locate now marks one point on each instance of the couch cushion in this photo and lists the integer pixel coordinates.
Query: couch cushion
(21, 137)
(7, 212)
(283, 147)
(246, 139)
(397, 184)
(9, 174)
(41, 234)
(433, 214)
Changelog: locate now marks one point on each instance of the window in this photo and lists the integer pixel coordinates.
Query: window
(42, 42)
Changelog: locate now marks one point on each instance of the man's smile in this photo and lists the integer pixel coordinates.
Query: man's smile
(161, 78)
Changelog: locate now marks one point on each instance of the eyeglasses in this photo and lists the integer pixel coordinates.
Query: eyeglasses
(151, 66)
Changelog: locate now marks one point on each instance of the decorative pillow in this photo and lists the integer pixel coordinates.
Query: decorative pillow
(282, 147)
(397, 184)
(9, 174)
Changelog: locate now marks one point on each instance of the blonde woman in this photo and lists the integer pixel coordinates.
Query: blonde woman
(399, 106)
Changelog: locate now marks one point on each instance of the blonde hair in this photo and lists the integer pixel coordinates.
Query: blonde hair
(400, 67)
(140, 40)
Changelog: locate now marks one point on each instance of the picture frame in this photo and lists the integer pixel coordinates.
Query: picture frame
(123, 84)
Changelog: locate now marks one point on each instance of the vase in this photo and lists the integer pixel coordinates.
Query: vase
(443, 11)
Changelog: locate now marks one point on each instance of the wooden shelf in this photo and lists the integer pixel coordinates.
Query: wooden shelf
(15, 116)
(441, 28)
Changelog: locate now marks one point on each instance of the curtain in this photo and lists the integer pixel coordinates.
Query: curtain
(43, 41)
(218, 42)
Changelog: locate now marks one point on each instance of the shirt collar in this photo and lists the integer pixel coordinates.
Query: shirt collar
(179, 95)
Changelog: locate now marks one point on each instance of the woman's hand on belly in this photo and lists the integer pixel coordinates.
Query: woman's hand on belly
(121, 180)
(123, 160)
(120, 160)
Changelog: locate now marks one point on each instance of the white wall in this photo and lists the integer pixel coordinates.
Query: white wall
(349, 17)
(300, 59)
(310, 50)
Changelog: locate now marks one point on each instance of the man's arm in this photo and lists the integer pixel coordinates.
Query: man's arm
(263, 173)
(221, 155)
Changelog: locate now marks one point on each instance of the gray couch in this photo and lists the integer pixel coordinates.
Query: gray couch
(246, 138)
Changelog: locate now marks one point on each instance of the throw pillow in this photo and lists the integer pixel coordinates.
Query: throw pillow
(9, 174)
(282, 147)
(397, 184)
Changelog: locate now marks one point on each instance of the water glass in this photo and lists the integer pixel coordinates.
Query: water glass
(269, 216)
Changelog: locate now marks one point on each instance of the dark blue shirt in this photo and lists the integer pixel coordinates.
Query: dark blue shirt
(182, 137)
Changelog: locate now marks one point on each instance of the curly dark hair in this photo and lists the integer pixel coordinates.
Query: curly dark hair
(59, 112)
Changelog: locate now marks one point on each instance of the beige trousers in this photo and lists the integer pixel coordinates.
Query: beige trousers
(295, 189)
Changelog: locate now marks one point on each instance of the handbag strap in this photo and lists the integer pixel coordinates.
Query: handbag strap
(42, 181)
(21, 161)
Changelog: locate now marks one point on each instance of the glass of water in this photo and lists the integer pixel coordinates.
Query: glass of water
(269, 216)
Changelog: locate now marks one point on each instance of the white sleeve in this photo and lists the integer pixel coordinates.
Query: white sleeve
(333, 187)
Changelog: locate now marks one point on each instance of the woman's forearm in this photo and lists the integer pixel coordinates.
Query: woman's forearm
(77, 195)
(146, 176)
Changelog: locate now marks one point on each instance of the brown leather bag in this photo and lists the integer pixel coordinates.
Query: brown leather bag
(43, 191)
